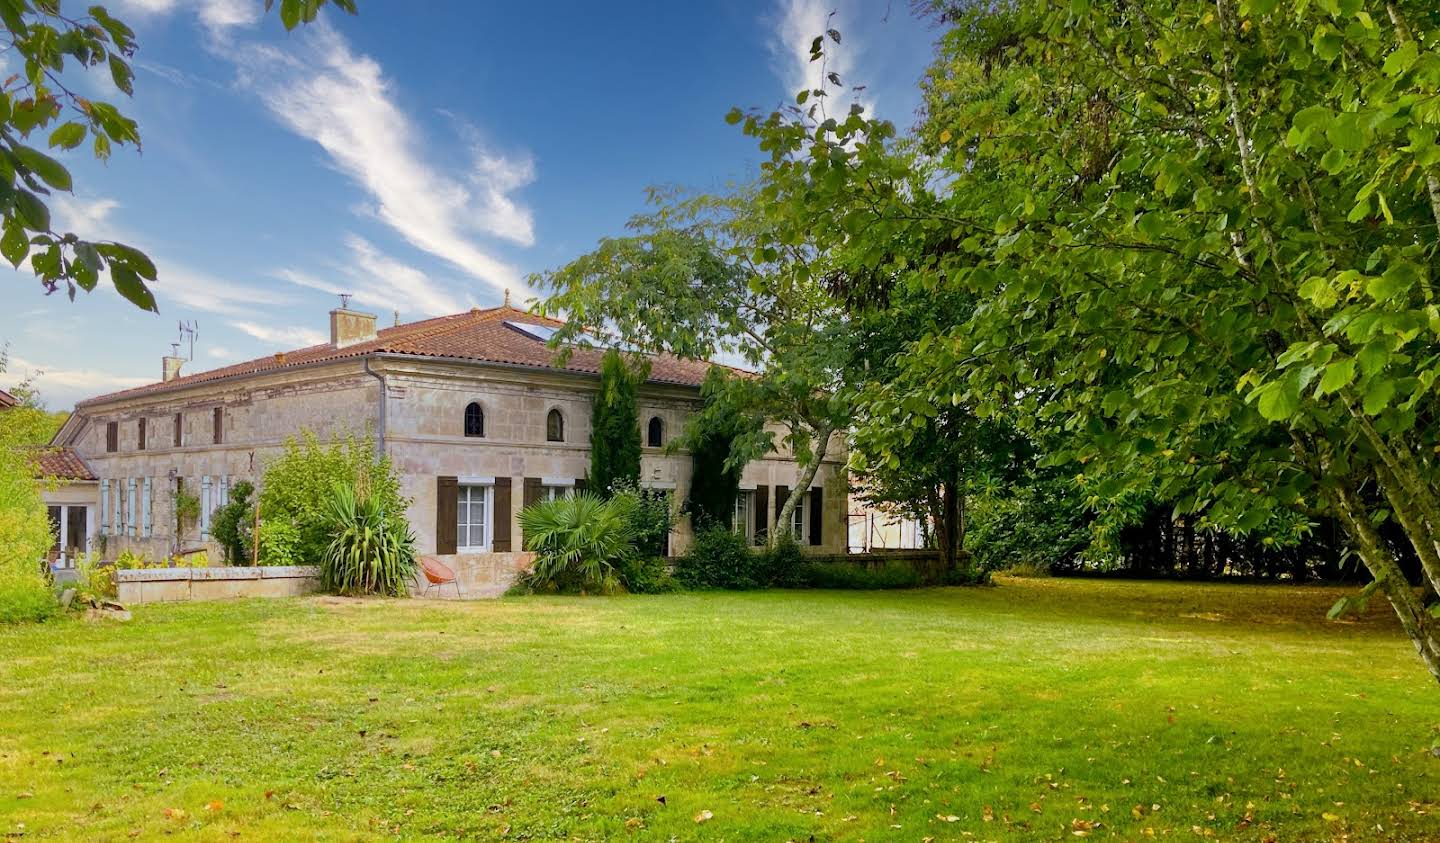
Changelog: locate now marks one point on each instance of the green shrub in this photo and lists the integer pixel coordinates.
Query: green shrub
(371, 550)
(651, 516)
(94, 581)
(721, 558)
(782, 564)
(25, 538)
(579, 540)
(298, 486)
(280, 543)
(646, 575)
(232, 524)
(892, 574)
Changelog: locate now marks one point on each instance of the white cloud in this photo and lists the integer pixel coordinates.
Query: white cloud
(797, 24)
(214, 14)
(67, 384)
(343, 102)
(220, 352)
(289, 337)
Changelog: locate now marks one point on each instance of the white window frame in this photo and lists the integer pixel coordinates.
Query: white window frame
(463, 487)
(553, 488)
(798, 517)
(744, 511)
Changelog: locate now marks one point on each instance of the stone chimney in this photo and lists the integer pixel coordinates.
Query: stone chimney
(348, 327)
(172, 366)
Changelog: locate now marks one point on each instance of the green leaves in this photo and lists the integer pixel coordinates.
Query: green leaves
(52, 172)
(1398, 279)
(1336, 376)
(68, 136)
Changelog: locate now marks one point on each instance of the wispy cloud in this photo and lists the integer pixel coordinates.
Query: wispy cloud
(380, 281)
(177, 284)
(796, 24)
(53, 380)
(293, 336)
(341, 100)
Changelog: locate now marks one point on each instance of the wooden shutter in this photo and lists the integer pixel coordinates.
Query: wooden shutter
(502, 542)
(219, 425)
(178, 428)
(817, 507)
(447, 514)
(141, 434)
(532, 492)
(782, 494)
(762, 513)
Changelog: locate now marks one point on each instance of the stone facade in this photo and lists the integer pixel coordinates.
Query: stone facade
(414, 407)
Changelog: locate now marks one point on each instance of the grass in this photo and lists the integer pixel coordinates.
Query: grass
(1029, 711)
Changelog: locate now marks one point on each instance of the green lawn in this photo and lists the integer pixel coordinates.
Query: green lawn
(1027, 711)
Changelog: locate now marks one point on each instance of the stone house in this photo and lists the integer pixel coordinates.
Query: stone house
(471, 408)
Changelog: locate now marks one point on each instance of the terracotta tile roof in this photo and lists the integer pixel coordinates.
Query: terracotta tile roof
(478, 335)
(63, 464)
(7, 400)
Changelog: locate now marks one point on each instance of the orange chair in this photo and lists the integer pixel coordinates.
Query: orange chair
(438, 575)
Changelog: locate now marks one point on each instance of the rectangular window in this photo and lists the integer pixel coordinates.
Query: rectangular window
(551, 493)
(179, 430)
(112, 437)
(743, 520)
(219, 425)
(797, 518)
(130, 507)
(472, 534)
(140, 434)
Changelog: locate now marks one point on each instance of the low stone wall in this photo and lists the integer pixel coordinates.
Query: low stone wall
(163, 585)
(921, 560)
(481, 575)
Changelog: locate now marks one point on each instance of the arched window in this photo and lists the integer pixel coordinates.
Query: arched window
(474, 420)
(555, 427)
(655, 436)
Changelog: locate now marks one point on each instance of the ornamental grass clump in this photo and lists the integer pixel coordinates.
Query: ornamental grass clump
(371, 550)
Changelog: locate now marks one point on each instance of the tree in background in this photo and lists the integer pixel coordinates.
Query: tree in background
(710, 435)
(36, 107)
(615, 424)
(25, 535)
(706, 276)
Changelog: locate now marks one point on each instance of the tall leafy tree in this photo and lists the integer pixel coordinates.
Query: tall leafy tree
(38, 108)
(1201, 236)
(710, 437)
(615, 424)
(706, 276)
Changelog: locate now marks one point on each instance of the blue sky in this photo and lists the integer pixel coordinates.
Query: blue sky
(424, 156)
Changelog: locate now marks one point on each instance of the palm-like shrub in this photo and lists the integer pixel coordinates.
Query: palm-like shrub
(371, 551)
(578, 540)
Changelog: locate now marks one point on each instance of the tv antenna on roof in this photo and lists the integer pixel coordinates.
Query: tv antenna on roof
(345, 300)
(188, 330)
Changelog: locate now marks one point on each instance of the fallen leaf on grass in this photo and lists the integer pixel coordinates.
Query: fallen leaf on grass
(214, 805)
(949, 818)
(988, 815)
(634, 823)
(704, 816)
(174, 813)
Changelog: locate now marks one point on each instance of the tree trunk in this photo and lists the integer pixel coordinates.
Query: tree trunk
(802, 484)
(1424, 631)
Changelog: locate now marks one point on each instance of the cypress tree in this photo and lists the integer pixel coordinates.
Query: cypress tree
(615, 425)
